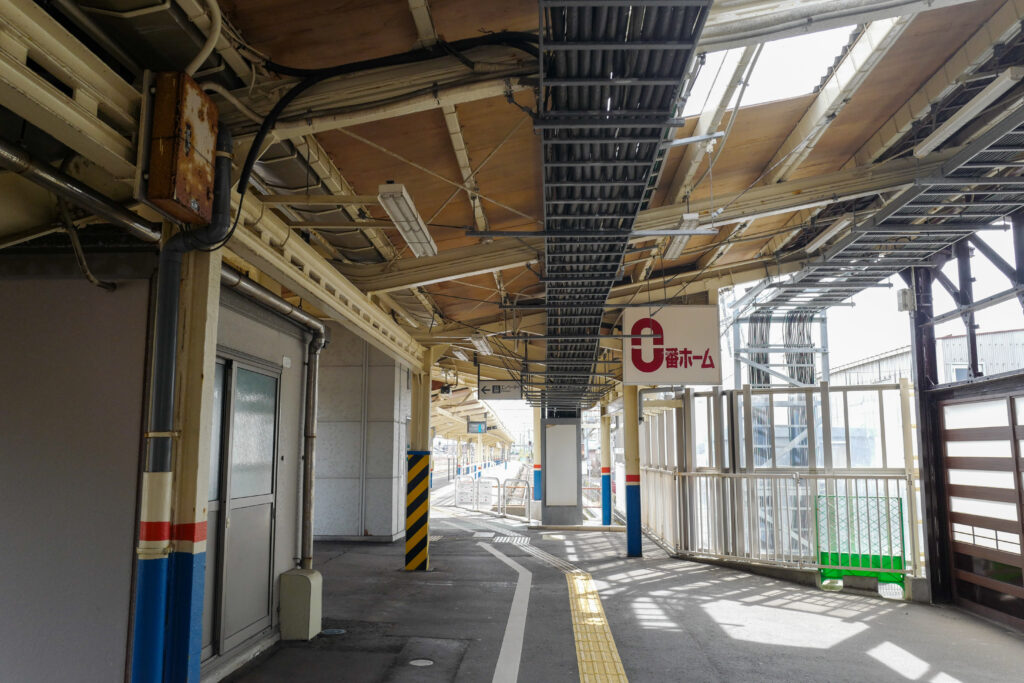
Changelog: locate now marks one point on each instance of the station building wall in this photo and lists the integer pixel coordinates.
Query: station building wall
(72, 365)
(362, 436)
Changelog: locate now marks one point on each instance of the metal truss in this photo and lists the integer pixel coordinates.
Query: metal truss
(613, 76)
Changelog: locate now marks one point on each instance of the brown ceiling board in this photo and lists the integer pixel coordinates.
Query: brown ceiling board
(421, 138)
(512, 175)
(756, 136)
(675, 154)
(445, 294)
(319, 33)
(456, 19)
(923, 48)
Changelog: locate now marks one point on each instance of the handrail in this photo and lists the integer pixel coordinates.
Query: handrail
(518, 484)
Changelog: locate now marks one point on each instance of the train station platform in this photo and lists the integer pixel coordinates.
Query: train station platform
(505, 603)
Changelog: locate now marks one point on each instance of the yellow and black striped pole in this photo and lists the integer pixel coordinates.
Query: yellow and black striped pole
(417, 511)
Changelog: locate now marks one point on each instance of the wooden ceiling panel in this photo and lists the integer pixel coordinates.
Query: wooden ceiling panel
(421, 138)
(757, 135)
(925, 46)
(457, 19)
(513, 174)
(319, 33)
(675, 155)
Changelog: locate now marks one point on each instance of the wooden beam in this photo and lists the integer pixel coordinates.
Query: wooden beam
(451, 264)
(317, 199)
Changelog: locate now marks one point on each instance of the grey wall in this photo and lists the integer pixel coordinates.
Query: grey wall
(361, 441)
(71, 369)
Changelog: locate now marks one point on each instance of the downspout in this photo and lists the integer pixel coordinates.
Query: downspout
(267, 299)
(151, 595)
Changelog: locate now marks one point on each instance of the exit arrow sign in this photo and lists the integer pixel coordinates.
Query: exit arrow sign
(500, 390)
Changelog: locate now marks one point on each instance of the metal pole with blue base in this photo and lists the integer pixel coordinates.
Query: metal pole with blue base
(606, 469)
(537, 479)
(631, 432)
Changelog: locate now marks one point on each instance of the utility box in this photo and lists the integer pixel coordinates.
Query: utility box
(905, 301)
(302, 592)
(182, 147)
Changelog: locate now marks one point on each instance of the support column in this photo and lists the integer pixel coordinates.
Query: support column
(417, 497)
(606, 466)
(172, 548)
(933, 494)
(200, 308)
(965, 282)
(631, 432)
(537, 479)
(478, 455)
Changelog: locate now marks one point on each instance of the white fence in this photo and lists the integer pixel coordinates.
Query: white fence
(819, 477)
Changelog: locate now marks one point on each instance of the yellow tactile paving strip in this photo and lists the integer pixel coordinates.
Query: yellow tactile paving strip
(595, 648)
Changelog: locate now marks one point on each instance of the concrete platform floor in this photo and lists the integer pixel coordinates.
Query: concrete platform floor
(671, 620)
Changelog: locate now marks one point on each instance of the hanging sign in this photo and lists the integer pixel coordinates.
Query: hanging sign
(671, 345)
(499, 390)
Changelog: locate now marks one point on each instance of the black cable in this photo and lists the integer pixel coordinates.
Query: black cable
(310, 77)
(521, 40)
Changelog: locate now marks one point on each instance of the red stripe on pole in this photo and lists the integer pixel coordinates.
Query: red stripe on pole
(536, 467)
(194, 532)
(154, 531)
(606, 470)
(632, 478)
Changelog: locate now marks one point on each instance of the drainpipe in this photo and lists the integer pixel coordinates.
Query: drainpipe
(267, 299)
(153, 580)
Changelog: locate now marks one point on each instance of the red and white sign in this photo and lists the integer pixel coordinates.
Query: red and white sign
(679, 345)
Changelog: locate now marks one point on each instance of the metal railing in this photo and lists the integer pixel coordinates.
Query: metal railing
(796, 519)
(515, 495)
(818, 477)
(490, 494)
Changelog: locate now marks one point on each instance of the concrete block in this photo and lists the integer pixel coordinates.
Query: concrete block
(339, 449)
(345, 348)
(341, 394)
(379, 358)
(381, 519)
(336, 507)
(382, 399)
(380, 449)
(302, 593)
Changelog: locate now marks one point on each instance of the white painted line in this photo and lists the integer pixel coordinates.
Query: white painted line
(507, 669)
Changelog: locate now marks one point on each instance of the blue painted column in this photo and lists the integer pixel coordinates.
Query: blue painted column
(606, 467)
(631, 433)
(537, 436)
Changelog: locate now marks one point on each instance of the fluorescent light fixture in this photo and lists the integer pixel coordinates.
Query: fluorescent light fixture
(459, 353)
(828, 233)
(979, 103)
(481, 344)
(398, 205)
(678, 243)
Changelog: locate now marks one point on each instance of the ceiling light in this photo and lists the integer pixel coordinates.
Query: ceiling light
(459, 353)
(979, 103)
(481, 344)
(398, 205)
(827, 234)
(678, 243)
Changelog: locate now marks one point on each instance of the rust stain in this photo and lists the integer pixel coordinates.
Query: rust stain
(182, 149)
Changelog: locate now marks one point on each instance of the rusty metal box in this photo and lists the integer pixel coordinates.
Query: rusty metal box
(182, 145)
